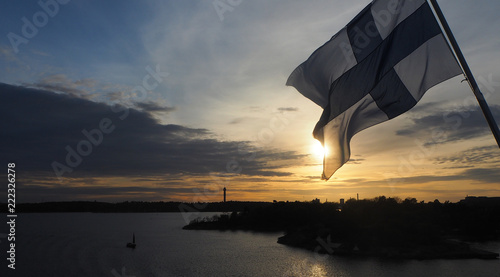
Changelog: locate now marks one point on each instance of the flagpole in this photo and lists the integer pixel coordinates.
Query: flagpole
(468, 73)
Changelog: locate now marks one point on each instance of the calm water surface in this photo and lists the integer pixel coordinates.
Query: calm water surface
(87, 244)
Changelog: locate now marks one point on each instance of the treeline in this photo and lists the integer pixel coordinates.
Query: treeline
(133, 207)
(368, 223)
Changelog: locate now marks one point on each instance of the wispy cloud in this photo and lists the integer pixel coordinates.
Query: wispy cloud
(7, 54)
(288, 109)
(61, 83)
(237, 120)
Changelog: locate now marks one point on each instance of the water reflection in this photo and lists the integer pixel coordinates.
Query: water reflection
(307, 267)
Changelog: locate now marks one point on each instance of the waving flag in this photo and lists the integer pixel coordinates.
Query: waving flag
(376, 68)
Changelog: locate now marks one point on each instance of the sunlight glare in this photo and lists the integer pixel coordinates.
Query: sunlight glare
(317, 150)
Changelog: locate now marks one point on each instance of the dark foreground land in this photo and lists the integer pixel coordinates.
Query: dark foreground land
(381, 227)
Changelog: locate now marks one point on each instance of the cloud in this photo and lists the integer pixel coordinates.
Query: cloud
(40, 53)
(424, 108)
(154, 107)
(7, 54)
(61, 83)
(43, 127)
(485, 175)
(36, 193)
(117, 96)
(450, 126)
(473, 156)
(288, 109)
(237, 120)
(482, 175)
(355, 161)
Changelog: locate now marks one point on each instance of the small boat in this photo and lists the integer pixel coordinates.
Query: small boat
(132, 244)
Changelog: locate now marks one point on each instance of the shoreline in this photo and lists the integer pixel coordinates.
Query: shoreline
(446, 249)
(449, 249)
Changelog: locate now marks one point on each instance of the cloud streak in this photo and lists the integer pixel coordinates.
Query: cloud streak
(482, 175)
(474, 156)
(154, 107)
(61, 83)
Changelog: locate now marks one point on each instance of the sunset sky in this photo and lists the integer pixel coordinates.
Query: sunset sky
(173, 100)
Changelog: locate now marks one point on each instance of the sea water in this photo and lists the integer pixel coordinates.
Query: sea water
(94, 244)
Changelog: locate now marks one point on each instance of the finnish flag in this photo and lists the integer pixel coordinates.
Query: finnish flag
(376, 68)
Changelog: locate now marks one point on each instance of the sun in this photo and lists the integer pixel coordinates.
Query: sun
(318, 150)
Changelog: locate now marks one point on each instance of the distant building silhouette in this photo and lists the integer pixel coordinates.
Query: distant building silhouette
(224, 194)
(341, 205)
(481, 201)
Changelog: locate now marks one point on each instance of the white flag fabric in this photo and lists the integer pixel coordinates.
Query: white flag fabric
(376, 68)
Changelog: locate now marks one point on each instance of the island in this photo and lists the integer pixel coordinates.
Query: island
(380, 227)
